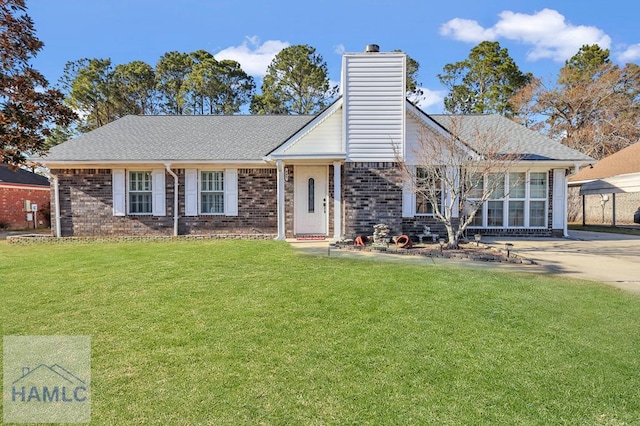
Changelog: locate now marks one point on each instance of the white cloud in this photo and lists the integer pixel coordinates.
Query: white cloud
(466, 30)
(254, 57)
(339, 49)
(547, 31)
(430, 98)
(630, 54)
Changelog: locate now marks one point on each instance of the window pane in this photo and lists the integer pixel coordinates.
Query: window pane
(212, 181)
(477, 219)
(475, 183)
(495, 183)
(495, 211)
(517, 183)
(139, 202)
(212, 202)
(311, 192)
(423, 206)
(538, 185)
(516, 213)
(537, 213)
(427, 184)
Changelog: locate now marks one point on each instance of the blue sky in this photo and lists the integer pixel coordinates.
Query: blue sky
(540, 35)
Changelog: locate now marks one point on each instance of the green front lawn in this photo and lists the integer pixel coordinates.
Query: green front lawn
(238, 332)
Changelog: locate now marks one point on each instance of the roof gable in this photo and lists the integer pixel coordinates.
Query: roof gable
(321, 136)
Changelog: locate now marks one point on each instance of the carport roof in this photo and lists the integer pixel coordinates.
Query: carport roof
(623, 162)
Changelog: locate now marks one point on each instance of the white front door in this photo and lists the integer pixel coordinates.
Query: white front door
(310, 200)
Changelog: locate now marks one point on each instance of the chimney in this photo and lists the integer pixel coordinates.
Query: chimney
(374, 102)
(372, 48)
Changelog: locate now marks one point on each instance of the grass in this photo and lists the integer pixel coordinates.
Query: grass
(630, 230)
(235, 332)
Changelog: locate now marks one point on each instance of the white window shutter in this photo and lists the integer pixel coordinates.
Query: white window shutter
(408, 201)
(118, 184)
(191, 192)
(158, 188)
(231, 192)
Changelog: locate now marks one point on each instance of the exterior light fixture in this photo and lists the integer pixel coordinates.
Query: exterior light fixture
(508, 247)
(286, 174)
(477, 237)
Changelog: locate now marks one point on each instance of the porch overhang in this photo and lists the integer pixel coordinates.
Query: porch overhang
(324, 157)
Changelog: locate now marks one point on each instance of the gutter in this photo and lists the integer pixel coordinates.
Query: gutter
(176, 207)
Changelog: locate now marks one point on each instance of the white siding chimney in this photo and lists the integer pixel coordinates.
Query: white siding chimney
(373, 88)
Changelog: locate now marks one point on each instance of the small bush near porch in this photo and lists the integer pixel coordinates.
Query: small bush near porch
(236, 332)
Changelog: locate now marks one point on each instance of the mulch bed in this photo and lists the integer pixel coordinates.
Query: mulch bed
(469, 251)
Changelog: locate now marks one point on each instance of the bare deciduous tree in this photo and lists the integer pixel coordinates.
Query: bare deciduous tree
(593, 108)
(454, 172)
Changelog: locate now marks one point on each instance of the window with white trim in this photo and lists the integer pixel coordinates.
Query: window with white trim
(140, 192)
(212, 192)
(476, 189)
(495, 206)
(538, 199)
(519, 200)
(424, 181)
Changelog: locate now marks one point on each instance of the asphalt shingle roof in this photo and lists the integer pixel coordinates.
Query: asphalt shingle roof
(251, 137)
(530, 145)
(21, 176)
(181, 138)
(623, 162)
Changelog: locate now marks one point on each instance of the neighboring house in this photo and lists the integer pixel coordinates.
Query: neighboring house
(609, 191)
(16, 187)
(334, 174)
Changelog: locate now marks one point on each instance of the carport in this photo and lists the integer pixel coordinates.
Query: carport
(610, 186)
(615, 181)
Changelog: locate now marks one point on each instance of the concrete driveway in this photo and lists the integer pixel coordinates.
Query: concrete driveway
(610, 258)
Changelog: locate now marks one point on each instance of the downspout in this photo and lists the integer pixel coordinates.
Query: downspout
(176, 206)
(280, 201)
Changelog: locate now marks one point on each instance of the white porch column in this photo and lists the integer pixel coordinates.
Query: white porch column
(559, 200)
(281, 207)
(337, 201)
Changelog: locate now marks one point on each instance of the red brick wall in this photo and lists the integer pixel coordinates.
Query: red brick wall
(12, 203)
(86, 202)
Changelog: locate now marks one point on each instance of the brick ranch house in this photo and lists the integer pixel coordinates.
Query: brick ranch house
(16, 187)
(334, 174)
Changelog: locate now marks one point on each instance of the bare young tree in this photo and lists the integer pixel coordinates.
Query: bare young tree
(453, 172)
